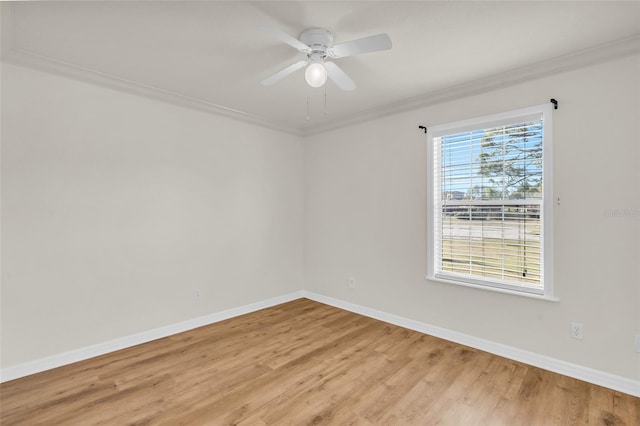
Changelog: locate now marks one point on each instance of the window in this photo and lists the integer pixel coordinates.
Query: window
(491, 202)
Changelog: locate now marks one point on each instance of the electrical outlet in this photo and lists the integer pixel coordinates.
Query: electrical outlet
(577, 330)
(638, 343)
(352, 282)
(196, 295)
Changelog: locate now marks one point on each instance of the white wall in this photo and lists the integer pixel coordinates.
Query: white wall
(116, 207)
(366, 204)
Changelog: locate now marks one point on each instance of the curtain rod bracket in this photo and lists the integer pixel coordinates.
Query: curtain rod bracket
(555, 103)
(423, 128)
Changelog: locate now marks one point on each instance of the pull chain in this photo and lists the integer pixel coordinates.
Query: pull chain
(325, 99)
(308, 108)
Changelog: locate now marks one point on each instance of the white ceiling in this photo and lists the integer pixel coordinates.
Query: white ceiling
(211, 55)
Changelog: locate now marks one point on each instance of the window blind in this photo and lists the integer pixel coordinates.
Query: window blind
(488, 203)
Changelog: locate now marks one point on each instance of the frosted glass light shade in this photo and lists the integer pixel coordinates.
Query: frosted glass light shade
(316, 74)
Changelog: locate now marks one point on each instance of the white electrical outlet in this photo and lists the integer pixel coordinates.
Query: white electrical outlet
(352, 282)
(577, 330)
(196, 295)
(638, 343)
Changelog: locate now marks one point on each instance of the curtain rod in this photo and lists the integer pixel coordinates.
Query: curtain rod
(552, 100)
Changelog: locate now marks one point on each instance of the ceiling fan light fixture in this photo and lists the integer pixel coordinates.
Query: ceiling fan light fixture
(317, 44)
(316, 74)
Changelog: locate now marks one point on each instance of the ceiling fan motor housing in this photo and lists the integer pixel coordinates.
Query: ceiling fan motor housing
(318, 40)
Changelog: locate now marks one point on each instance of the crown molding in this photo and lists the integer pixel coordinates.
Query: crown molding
(605, 52)
(602, 53)
(12, 54)
(76, 72)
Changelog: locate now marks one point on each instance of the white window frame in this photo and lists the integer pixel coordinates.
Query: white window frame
(546, 234)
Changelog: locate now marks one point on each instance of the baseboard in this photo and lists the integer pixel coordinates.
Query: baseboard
(590, 375)
(597, 377)
(81, 354)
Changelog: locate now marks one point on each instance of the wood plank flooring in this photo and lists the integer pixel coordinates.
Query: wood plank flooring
(305, 363)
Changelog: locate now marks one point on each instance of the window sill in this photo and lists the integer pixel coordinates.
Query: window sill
(495, 289)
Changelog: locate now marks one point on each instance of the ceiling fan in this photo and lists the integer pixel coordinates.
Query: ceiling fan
(317, 44)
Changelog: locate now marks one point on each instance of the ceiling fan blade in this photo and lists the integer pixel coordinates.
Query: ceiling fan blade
(339, 77)
(285, 38)
(362, 45)
(283, 73)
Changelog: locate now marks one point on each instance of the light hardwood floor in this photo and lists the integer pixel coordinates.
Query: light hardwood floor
(304, 363)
